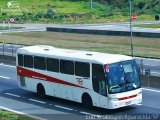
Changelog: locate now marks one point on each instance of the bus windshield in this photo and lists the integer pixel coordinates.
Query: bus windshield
(122, 76)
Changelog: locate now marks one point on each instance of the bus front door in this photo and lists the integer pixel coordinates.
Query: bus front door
(99, 84)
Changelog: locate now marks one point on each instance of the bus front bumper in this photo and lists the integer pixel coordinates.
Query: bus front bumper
(115, 103)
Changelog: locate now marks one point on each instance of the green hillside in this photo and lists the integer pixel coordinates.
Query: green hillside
(77, 11)
(56, 5)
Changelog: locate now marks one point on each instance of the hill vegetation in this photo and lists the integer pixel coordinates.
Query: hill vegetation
(77, 11)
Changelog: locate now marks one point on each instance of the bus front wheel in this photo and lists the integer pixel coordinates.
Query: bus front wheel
(86, 100)
(41, 91)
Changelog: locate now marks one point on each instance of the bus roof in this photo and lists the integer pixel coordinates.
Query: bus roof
(68, 54)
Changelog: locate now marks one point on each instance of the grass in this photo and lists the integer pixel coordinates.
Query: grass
(6, 115)
(146, 17)
(34, 6)
(148, 25)
(145, 47)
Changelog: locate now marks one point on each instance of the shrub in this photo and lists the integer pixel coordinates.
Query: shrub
(141, 5)
(50, 13)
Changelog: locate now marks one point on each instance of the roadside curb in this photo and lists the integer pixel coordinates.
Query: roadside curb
(21, 113)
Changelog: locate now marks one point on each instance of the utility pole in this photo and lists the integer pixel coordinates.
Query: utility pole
(130, 11)
(91, 5)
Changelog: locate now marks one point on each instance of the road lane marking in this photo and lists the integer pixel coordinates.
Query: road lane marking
(151, 90)
(86, 113)
(66, 108)
(150, 65)
(10, 48)
(155, 73)
(12, 95)
(2, 64)
(38, 101)
(5, 77)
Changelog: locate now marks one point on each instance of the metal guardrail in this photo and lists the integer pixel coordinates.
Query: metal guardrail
(150, 72)
(151, 65)
(9, 49)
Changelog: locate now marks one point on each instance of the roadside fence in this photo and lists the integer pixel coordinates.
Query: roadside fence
(9, 49)
(150, 72)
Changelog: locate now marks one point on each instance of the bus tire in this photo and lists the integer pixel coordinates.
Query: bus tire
(41, 91)
(87, 101)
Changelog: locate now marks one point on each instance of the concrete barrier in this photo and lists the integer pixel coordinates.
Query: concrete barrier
(103, 32)
(7, 59)
(153, 82)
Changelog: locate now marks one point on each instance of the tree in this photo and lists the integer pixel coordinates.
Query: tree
(141, 5)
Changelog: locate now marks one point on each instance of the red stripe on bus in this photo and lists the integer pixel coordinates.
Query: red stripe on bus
(128, 97)
(31, 74)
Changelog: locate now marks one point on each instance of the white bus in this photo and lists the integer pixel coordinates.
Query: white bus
(95, 79)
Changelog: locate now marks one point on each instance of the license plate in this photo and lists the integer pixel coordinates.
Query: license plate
(128, 103)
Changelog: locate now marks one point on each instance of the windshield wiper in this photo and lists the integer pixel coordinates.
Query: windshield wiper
(113, 87)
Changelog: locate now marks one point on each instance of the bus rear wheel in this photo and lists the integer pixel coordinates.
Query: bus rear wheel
(41, 91)
(87, 101)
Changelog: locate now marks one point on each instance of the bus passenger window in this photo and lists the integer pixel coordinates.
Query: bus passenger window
(52, 64)
(28, 61)
(39, 63)
(67, 67)
(82, 69)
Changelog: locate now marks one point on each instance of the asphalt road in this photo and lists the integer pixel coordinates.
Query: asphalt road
(121, 26)
(50, 108)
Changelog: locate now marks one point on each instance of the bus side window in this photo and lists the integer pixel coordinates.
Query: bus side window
(82, 69)
(67, 67)
(20, 60)
(39, 63)
(52, 64)
(98, 78)
(28, 61)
